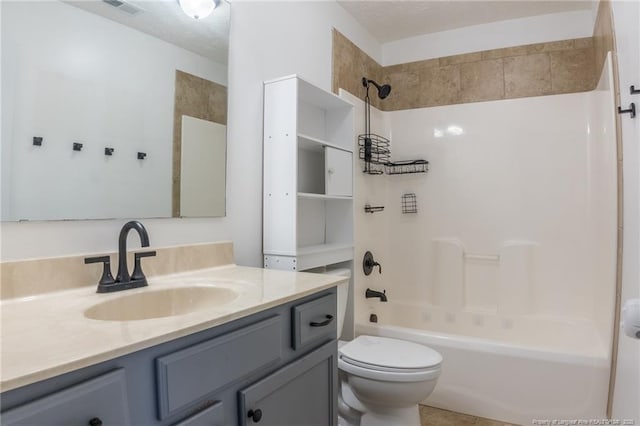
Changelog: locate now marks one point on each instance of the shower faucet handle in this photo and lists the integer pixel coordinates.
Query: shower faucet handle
(368, 264)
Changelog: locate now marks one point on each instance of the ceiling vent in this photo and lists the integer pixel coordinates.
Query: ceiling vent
(127, 8)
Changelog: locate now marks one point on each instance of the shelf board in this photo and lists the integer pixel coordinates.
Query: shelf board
(313, 196)
(314, 144)
(323, 248)
(308, 250)
(308, 257)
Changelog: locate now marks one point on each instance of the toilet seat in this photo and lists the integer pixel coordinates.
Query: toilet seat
(382, 358)
(388, 376)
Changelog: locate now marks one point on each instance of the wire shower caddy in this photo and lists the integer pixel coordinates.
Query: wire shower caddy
(376, 152)
(409, 203)
(373, 149)
(406, 167)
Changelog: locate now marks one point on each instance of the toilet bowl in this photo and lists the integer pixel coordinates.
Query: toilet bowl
(382, 380)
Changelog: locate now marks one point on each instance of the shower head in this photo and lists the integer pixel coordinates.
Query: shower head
(383, 91)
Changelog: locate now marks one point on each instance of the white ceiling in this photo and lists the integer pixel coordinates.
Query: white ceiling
(394, 20)
(388, 20)
(208, 37)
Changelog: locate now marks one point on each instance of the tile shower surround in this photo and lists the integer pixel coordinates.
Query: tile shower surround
(525, 73)
(565, 66)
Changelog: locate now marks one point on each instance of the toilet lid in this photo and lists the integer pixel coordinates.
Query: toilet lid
(389, 353)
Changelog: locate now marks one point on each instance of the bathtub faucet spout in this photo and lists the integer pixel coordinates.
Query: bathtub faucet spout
(373, 293)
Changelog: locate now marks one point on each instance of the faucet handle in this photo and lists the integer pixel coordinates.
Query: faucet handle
(106, 278)
(137, 268)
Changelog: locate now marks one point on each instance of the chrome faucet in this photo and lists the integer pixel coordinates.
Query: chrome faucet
(123, 280)
(373, 293)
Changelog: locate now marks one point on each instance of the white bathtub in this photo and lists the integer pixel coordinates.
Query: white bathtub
(513, 369)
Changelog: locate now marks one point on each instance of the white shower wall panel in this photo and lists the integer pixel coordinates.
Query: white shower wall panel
(371, 229)
(603, 219)
(501, 171)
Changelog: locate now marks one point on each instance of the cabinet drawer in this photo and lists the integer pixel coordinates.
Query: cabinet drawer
(212, 416)
(103, 398)
(314, 322)
(185, 376)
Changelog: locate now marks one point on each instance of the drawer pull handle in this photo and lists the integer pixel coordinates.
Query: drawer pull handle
(323, 323)
(255, 415)
(95, 422)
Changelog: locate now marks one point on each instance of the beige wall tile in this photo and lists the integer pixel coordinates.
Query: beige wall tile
(528, 75)
(412, 66)
(603, 38)
(504, 53)
(511, 72)
(199, 98)
(553, 46)
(418, 65)
(438, 86)
(572, 70)
(583, 43)
(403, 90)
(482, 81)
(350, 64)
(460, 59)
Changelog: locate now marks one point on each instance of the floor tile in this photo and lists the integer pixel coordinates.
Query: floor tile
(430, 416)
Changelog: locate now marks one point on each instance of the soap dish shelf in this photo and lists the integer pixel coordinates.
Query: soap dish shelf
(406, 167)
(372, 209)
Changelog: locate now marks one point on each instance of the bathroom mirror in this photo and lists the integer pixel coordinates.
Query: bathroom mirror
(112, 109)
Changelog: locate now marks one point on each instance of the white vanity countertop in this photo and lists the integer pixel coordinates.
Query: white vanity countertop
(46, 335)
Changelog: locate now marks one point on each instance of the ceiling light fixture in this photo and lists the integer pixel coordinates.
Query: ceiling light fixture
(198, 9)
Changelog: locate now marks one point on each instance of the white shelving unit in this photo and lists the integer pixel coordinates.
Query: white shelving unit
(308, 176)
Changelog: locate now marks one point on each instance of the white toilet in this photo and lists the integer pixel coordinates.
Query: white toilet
(382, 380)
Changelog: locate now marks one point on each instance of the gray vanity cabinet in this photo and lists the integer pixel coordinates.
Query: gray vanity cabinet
(191, 373)
(273, 362)
(296, 395)
(212, 416)
(82, 404)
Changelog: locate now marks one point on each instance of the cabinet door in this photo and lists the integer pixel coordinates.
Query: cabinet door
(338, 172)
(188, 375)
(304, 393)
(212, 416)
(98, 401)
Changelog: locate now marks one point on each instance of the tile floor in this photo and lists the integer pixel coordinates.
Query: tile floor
(430, 416)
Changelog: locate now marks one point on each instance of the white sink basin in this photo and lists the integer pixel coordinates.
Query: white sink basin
(169, 302)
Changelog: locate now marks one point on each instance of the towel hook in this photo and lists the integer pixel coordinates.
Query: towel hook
(631, 110)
